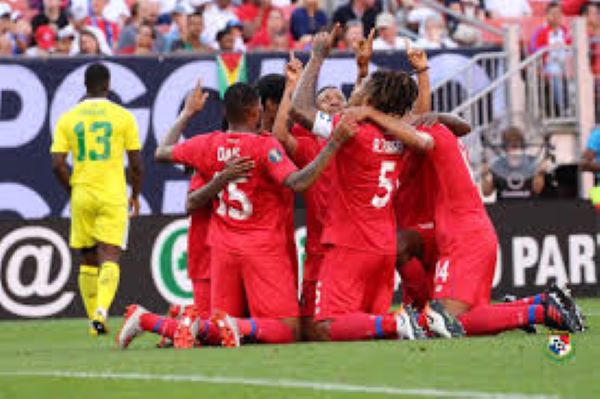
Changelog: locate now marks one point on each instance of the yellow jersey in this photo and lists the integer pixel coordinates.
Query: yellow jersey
(97, 133)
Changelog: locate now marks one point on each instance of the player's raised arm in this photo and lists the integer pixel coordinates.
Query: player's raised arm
(363, 51)
(301, 180)
(293, 70)
(304, 107)
(194, 103)
(455, 123)
(235, 168)
(136, 175)
(418, 60)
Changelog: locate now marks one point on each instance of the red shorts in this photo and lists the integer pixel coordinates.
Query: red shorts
(354, 281)
(201, 290)
(264, 285)
(312, 268)
(465, 272)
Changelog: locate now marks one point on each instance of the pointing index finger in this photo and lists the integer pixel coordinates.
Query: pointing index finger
(371, 37)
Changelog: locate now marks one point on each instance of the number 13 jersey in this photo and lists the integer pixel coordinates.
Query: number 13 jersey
(361, 201)
(249, 215)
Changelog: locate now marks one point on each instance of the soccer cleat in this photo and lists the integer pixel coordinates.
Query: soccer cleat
(99, 324)
(441, 323)
(530, 328)
(131, 326)
(558, 317)
(230, 333)
(407, 326)
(174, 312)
(563, 296)
(187, 329)
(92, 331)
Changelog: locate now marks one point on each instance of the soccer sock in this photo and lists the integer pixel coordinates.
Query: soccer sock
(160, 325)
(209, 333)
(493, 319)
(361, 326)
(530, 300)
(413, 283)
(267, 331)
(108, 282)
(88, 288)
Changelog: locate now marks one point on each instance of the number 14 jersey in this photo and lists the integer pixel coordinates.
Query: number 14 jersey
(361, 201)
(249, 215)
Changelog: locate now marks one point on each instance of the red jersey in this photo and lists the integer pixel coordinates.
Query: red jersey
(459, 208)
(361, 212)
(198, 249)
(307, 149)
(249, 216)
(415, 204)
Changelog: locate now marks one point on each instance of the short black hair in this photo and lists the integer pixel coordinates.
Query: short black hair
(392, 92)
(196, 14)
(97, 78)
(222, 33)
(271, 87)
(238, 98)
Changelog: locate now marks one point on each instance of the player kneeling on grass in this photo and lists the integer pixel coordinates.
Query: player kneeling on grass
(97, 132)
(250, 264)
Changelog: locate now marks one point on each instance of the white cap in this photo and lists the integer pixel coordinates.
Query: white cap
(199, 3)
(78, 12)
(67, 31)
(5, 9)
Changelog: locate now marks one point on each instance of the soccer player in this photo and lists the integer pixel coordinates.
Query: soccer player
(97, 132)
(355, 285)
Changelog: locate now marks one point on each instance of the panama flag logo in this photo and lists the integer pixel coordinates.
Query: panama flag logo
(559, 345)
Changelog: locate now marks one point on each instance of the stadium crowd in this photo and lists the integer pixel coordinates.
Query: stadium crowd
(143, 27)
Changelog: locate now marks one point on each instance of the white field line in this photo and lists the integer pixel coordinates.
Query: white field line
(277, 383)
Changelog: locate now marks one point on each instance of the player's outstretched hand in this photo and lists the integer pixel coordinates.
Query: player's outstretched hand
(293, 70)
(196, 100)
(358, 113)
(416, 57)
(237, 168)
(323, 42)
(134, 207)
(363, 50)
(346, 128)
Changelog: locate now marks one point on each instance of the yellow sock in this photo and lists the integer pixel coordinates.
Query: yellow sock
(88, 288)
(108, 282)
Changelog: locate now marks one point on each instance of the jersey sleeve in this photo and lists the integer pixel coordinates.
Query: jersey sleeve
(132, 136)
(277, 163)
(60, 142)
(593, 143)
(196, 182)
(306, 150)
(191, 152)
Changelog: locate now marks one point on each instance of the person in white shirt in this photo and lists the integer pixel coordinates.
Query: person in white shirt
(434, 34)
(508, 8)
(387, 33)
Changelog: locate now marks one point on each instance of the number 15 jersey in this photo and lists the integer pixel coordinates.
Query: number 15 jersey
(249, 215)
(97, 132)
(361, 212)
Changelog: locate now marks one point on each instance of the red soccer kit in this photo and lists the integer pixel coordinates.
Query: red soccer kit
(465, 236)
(357, 273)
(247, 232)
(307, 148)
(199, 253)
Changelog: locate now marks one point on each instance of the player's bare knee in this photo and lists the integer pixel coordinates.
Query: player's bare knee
(321, 330)
(89, 256)
(108, 253)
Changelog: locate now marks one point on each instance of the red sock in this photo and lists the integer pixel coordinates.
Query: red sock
(361, 326)
(209, 333)
(530, 300)
(266, 331)
(413, 283)
(493, 319)
(158, 324)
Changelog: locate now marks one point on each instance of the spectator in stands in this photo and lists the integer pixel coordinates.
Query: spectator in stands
(353, 33)
(226, 40)
(253, 15)
(364, 10)
(66, 37)
(216, 17)
(192, 41)
(6, 46)
(508, 8)
(275, 36)
(147, 12)
(97, 20)
(307, 20)
(237, 30)
(51, 15)
(117, 11)
(435, 34)
(88, 43)
(144, 41)
(515, 175)
(590, 162)
(572, 7)
(591, 12)
(463, 33)
(387, 33)
(20, 33)
(416, 15)
(45, 39)
(178, 25)
(6, 28)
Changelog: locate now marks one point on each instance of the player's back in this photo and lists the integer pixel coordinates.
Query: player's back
(415, 202)
(361, 207)
(97, 132)
(250, 214)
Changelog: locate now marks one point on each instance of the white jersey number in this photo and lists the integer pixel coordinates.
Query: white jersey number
(386, 183)
(244, 211)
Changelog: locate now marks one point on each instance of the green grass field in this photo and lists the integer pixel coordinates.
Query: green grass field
(56, 359)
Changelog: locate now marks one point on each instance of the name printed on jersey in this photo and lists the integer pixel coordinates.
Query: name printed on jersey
(383, 146)
(225, 154)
